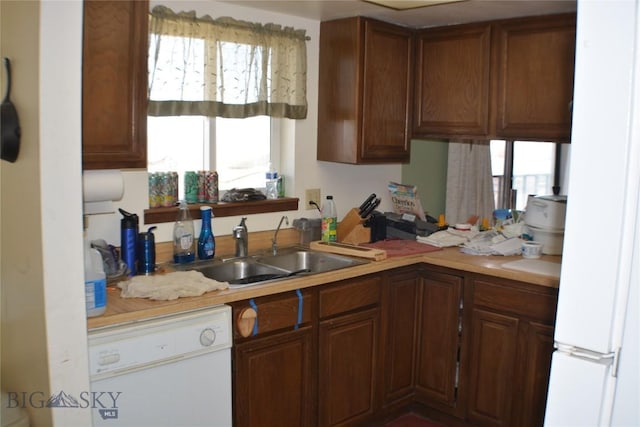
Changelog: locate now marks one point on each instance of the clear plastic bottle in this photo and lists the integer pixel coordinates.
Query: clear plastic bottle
(206, 241)
(95, 281)
(183, 239)
(272, 183)
(329, 220)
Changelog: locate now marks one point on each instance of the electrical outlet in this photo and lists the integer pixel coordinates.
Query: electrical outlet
(311, 195)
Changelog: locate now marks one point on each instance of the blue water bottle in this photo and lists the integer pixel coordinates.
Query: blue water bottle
(147, 252)
(206, 241)
(129, 240)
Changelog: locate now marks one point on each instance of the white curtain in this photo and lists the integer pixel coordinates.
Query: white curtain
(469, 181)
(224, 67)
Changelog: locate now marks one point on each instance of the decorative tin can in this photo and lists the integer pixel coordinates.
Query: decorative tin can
(202, 186)
(155, 197)
(166, 189)
(191, 187)
(175, 182)
(280, 186)
(211, 179)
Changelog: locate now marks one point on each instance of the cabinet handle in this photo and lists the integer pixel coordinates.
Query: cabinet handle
(246, 321)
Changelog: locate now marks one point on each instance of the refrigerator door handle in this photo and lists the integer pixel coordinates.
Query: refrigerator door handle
(611, 358)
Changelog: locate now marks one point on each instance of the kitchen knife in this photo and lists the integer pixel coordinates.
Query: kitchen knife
(369, 209)
(366, 203)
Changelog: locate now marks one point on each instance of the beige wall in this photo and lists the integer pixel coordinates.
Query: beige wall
(24, 361)
(42, 311)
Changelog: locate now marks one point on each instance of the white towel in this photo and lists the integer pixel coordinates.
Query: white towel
(169, 286)
(448, 237)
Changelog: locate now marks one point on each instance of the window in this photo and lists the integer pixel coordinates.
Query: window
(218, 92)
(240, 150)
(522, 168)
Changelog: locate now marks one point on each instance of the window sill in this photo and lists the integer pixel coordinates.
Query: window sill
(160, 215)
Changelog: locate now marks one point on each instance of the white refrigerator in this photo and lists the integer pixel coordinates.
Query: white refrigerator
(595, 373)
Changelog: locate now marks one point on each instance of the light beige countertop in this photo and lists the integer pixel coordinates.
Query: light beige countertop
(126, 310)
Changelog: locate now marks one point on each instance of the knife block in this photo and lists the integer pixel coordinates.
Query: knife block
(351, 229)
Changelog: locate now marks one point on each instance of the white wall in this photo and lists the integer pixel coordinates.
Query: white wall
(347, 183)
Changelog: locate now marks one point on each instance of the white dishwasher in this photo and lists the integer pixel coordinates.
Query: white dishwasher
(168, 371)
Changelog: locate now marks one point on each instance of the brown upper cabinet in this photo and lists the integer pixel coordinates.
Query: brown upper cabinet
(365, 85)
(453, 81)
(114, 84)
(505, 79)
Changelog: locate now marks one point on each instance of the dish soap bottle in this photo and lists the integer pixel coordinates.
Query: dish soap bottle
(95, 281)
(206, 241)
(183, 240)
(329, 220)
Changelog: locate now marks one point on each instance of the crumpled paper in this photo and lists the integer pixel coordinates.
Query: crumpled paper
(169, 286)
(474, 242)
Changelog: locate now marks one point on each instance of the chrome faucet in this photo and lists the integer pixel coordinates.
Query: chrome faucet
(241, 236)
(274, 241)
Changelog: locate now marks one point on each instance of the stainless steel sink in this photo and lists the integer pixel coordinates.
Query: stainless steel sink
(242, 270)
(259, 269)
(310, 261)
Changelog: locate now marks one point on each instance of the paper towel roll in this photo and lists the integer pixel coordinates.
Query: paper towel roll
(102, 185)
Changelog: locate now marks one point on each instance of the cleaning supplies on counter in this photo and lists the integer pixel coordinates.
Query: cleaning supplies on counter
(128, 240)
(183, 236)
(206, 241)
(95, 281)
(329, 220)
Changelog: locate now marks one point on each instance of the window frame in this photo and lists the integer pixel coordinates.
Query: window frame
(506, 197)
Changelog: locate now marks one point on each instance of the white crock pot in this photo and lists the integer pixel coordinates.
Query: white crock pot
(551, 240)
(546, 212)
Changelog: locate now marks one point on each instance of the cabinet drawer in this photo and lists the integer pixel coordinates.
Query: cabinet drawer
(275, 312)
(349, 295)
(510, 297)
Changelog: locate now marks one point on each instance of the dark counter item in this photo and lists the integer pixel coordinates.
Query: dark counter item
(147, 252)
(370, 208)
(378, 223)
(243, 195)
(10, 124)
(405, 229)
(366, 203)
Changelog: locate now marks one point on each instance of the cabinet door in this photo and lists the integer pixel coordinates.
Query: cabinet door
(528, 411)
(535, 65)
(273, 381)
(493, 368)
(440, 332)
(453, 81)
(364, 89)
(114, 84)
(387, 73)
(400, 314)
(347, 367)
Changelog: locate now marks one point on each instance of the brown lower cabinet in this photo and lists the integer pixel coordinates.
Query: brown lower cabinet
(466, 349)
(511, 341)
(273, 368)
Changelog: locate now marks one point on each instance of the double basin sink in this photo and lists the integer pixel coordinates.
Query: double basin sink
(267, 268)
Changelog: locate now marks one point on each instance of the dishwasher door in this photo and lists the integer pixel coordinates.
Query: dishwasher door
(172, 371)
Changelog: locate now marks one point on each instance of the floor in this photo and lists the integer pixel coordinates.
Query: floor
(411, 420)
